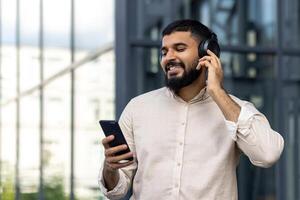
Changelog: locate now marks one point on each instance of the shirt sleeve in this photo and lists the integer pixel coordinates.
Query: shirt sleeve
(126, 173)
(120, 189)
(255, 137)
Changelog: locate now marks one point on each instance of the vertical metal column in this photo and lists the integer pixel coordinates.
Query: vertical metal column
(280, 167)
(17, 170)
(125, 69)
(72, 47)
(242, 24)
(41, 100)
(297, 156)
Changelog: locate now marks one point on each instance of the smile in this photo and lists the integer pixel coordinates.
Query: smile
(171, 67)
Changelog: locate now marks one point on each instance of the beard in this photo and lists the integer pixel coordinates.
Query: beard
(188, 77)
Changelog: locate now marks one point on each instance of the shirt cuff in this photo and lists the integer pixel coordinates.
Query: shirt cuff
(115, 190)
(242, 125)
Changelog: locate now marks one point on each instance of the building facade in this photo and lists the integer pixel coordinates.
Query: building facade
(57, 69)
(260, 54)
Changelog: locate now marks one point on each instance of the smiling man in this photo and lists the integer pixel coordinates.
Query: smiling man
(186, 138)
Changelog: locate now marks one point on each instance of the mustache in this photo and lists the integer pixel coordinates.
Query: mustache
(174, 63)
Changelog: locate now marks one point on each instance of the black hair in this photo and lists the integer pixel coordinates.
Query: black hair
(197, 29)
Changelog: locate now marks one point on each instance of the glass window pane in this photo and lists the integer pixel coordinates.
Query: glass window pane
(237, 22)
(251, 66)
(29, 67)
(29, 39)
(29, 146)
(8, 150)
(95, 100)
(291, 119)
(57, 146)
(56, 35)
(8, 49)
(291, 23)
(94, 25)
(291, 68)
(251, 77)
(8, 19)
(8, 72)
(248, 23)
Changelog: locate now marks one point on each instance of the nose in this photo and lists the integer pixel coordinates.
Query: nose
(170, 55)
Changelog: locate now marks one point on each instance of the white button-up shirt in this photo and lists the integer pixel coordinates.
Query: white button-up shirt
(187, 150)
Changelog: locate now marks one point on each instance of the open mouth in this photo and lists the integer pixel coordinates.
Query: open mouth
(173, 66)
(174, 70)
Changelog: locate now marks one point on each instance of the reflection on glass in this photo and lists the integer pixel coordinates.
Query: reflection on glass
(56, 154)
(8, 150)
(8, 72)
(149, 65)
(251, 79)
(8, 50)
(291, 68)
(29, 147)
(8, 21)
(95, 99)
(29, 39)
(290, 24)
(29, 67)
(56, 36)
(93, 28)
(250, 66)
(291, 154)
(236, 22)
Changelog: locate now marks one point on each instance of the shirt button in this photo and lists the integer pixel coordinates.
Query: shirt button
(182, 123)
(176, 185)
(181, 143)
(178, 164)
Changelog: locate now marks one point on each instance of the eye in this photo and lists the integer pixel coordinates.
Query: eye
(180, 49)
(163, 53)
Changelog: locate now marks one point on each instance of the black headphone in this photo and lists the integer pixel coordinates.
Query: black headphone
(211, 43)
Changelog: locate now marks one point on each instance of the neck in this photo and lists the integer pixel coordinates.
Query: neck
(189, 92)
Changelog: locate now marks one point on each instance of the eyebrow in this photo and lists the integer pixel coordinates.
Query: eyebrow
(176, 44)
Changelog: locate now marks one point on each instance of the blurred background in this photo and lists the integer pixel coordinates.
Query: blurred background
(65, 64)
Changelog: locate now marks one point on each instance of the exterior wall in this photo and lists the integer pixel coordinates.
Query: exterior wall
(260, 55)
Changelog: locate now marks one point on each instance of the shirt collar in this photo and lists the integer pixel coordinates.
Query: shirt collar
(201, 96)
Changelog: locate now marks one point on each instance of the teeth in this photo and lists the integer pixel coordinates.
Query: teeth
(173, 67)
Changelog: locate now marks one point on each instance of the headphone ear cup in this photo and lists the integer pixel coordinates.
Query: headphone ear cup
(202, 49)
(210, 44)
(214, 47)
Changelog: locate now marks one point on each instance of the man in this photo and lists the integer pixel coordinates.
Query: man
(186, 138)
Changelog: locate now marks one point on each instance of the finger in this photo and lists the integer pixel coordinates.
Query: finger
(215, 57)
(116, 159)
(107, 140)
(199, 65)
(113, 150)
(209, 58)
(121, 165)
(206, 64)
(209, 52)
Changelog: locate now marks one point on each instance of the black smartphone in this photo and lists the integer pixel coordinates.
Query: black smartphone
(111, 127)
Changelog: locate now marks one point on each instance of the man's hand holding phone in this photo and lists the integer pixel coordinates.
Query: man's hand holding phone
(113, 162)
(117, 153)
